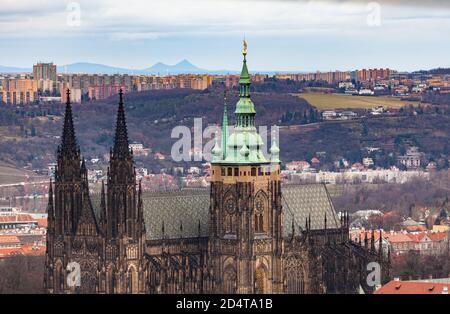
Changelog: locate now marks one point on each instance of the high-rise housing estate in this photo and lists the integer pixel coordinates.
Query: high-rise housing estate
(329, 77)
(373, 74)
(44, 71)
(18, 91)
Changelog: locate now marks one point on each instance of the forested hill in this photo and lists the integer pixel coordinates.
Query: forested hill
(29, 135)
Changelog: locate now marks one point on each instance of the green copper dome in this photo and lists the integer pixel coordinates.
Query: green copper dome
(245, 145)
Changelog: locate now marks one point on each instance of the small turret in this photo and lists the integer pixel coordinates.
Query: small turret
(274, 152)
(216, 151)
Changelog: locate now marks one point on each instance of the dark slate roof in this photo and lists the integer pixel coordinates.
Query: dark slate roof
(304, 201)
(189, 207)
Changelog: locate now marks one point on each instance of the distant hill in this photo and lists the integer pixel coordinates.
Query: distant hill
(5, 69)
(85, 67)
(182, 67)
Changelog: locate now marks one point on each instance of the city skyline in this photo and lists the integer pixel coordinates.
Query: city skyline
(284, 35)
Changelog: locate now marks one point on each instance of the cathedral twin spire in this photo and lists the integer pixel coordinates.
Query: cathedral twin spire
(71, 168)
(73, 221)
(121, 148)
(69, 148)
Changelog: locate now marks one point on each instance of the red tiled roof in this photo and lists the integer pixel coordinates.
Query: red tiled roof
(9, 239)
(411, 287)
(17, 218)
(27, 249)
(362, 233)
(415, 228)
(438, 236)
(42, 222)
(7, 252)
(400, 237)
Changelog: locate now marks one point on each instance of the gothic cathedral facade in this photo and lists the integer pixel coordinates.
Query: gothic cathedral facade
(246, 234)
(106, 252)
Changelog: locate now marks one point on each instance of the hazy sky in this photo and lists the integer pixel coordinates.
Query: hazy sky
(290, 35)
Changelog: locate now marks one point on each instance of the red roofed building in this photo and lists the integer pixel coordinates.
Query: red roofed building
(413, 287)
(298, 165)
(9, 241)
(425, 243)
(24, 250)
(42, 222)
(357, 166)
(17, 221)
(315, 161)
(418, 228)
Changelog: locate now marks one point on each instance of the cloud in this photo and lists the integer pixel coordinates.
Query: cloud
(149, 20)
(401, 3)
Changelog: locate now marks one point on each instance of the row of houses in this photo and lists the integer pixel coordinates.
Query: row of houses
(353, 176)
(21, 233)
(400, 243)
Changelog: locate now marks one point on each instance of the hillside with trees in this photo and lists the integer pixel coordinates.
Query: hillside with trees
(29, 135)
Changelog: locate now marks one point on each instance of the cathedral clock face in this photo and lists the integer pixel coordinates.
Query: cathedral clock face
(230, 207)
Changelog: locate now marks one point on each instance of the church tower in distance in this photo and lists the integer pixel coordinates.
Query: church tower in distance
(246, 216)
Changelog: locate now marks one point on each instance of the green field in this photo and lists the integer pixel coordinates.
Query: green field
(335, 101)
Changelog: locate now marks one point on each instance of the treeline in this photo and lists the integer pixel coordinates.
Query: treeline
(400, 198)
(274, 85)
(151, 116)
(22, 274)
(414, 266)
(306, 116)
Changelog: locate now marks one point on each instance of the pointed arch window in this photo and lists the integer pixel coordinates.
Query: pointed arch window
(229, 280)
(230, 216)
(261, 214)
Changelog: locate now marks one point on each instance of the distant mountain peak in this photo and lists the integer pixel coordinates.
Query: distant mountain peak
(184, 66)
(185, 62)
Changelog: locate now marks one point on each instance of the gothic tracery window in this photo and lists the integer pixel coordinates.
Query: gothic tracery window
(295, 280)
(260, 213)
(229, 280)
(230, 216)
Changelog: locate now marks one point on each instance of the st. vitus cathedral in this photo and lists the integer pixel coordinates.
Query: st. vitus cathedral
(246, 234)
(109, 250)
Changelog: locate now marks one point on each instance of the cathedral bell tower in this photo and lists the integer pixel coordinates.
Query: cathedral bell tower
(73, 234)
(246, 214)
